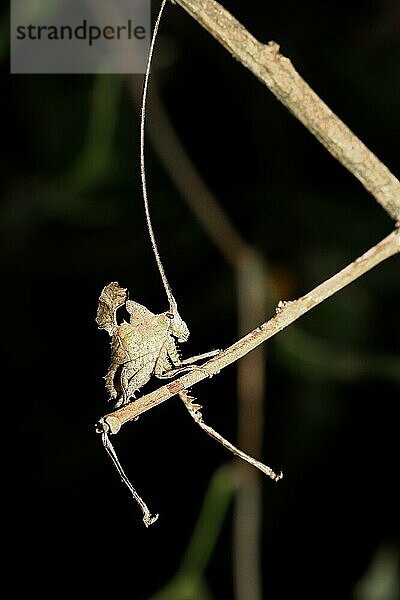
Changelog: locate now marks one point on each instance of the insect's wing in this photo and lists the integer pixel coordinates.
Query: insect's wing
(140, 316)
(137, 348)
(143, 333)
(111, 298)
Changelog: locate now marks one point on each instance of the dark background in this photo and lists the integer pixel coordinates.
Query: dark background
(72, 220)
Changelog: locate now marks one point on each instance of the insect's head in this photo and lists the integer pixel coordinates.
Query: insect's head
(178, 327)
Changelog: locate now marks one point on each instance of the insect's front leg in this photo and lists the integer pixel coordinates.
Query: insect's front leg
(169, 354)
(193, 359)
(177, 362)
(163, 367)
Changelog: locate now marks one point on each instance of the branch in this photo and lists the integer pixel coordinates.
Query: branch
(279, 75)
(287, 313)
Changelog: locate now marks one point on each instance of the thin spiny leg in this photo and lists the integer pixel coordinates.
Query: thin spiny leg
(194, 411)
(193, 359)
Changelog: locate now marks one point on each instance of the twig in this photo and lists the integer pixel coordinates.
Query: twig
(279, 75)
(194, 411)
(287, 313)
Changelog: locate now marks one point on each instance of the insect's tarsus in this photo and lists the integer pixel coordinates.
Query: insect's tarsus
(167, 287)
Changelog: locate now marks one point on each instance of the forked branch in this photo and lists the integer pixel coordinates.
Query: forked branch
(287, 313)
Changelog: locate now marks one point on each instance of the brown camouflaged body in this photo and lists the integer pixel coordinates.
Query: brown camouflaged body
(143, 347)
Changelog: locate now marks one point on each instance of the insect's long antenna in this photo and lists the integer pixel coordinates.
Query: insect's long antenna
(167, 287)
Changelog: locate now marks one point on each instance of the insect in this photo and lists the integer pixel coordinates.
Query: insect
(147, 344)
(143, 347)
